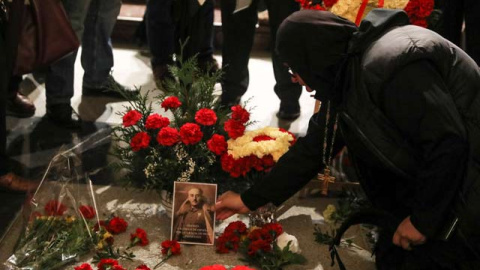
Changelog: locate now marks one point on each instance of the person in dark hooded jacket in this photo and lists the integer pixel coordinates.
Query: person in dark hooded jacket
(407, 105)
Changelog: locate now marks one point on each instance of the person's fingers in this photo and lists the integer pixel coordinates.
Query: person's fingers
(396, 239)
(223, 196)
(419, 242)
(405, 243)
(224, 214)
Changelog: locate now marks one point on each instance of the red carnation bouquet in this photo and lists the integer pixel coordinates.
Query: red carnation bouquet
(175, 136)
(58, 218)
(267, 246)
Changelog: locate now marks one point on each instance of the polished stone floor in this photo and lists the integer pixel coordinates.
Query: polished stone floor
(34, 141)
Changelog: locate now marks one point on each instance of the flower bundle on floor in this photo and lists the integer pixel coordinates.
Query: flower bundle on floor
(155, 150)
(58, 218)
(267, 246)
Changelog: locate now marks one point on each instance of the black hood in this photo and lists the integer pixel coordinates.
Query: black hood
(317, 44)
(313, 43)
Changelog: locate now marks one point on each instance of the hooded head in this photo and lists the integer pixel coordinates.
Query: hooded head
(314, 45)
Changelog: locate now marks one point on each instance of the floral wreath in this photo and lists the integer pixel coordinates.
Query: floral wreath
(418, 11)
(261, 142)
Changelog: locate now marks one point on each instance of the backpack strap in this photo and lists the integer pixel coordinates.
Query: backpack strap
(380, 218)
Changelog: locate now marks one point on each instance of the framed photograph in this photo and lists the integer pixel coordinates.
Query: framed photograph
(193, 218)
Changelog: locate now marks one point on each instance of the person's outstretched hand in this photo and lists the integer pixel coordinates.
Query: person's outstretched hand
(407, 235)
(229, 203)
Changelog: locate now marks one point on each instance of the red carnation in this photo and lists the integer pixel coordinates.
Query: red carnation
(155, 121)
(227, 241)
(168, 136)
(140, 141)
(206, 117)
(267, 161)
(214, 267)
(131, 118)
(170, 247)
(258, 245)
(84, 266)
(418, 11)
(171, 103)
(275, 229)
(230, 165)
(110, 240)
(117, 225)
(260, 138)
(329, 3)
(237, 227)
(139, 237)
(240, 114)
(117, 267)
(190, 133)
(217, 144)
(106, 264)
(55, 208)
(142, 267)
(87, 211)
(234, 128)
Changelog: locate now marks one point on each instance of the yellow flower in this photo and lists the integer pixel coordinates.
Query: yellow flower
(107, 235)
(70, 219)
(328, 212)
(100, 245)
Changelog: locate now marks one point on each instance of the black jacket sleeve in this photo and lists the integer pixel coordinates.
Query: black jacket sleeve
(418, 102)
(295, 168)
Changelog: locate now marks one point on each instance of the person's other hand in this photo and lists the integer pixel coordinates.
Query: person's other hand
(229, 203)
(407, 235)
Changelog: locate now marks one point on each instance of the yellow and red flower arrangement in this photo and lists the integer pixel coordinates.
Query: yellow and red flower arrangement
(418, 11)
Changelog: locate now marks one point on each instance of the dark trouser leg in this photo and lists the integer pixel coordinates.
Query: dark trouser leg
(472, 29)
(160, 31)
(287, 92)
(205, 30)
(238, 32)
(97, 52)
(13, 85)
(3, 97)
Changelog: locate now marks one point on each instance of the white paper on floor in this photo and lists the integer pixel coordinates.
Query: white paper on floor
(300, 210)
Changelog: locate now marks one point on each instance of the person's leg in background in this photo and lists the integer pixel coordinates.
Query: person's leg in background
(18, 105)
(60, 75)
(238, 33)
(97, 52)
(8, 180)
(3, 103)
(160, 35)
(472, 29)
(287, 92)
(206, 61)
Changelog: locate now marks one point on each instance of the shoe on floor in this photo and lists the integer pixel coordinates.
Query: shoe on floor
(161, 74)
(15, 183)
(111, 88)
(20, 106)
(64, 115)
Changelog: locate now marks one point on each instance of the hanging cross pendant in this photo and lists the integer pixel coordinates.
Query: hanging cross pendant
(325, 178)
